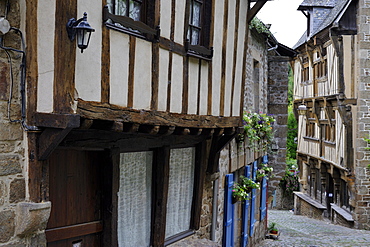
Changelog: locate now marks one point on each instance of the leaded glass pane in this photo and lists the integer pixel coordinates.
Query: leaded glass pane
(180, 190)
(196, 14)
(135, 199)
(121, 7)
(134, 10)
(194, 36)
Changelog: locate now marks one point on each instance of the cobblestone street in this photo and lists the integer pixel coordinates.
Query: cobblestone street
(301, 231)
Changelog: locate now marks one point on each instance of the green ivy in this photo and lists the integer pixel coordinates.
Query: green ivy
(259, 26)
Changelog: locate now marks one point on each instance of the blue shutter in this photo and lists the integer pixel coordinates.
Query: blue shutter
(253, 201)
(265, 159)
(245, 212)
(229, 213)
(263, 198)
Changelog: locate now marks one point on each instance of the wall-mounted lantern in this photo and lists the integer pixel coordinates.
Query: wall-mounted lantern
(302, 109)
(82, 29)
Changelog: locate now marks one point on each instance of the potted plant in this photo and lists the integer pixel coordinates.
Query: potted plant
(264, 171)
(258, 130)
(242, 188)
(272, 228)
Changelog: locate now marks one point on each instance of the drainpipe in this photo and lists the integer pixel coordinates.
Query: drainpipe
(214, 209)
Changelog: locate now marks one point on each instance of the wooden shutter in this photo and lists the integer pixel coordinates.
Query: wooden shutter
(245, 212)
(229, 213)
(265, 159)
(263, 198)
(253, 201)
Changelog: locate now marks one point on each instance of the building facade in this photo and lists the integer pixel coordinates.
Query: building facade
(330, 86)
(132, 141)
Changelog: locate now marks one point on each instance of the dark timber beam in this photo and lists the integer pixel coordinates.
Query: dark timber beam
(254, 10)
(49, 140)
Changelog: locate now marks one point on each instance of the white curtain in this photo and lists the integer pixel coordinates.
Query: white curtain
(180, 190)
(135, 199)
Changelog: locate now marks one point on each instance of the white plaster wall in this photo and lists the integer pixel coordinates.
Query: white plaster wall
(119, 62)
(142, 75)
(176, 83)
(165, 18)
(229, 58)
(203, 101)
(88, 63)
(193, 85)
(45, 47)
(217, 56)
(163, 79)
(179, 20)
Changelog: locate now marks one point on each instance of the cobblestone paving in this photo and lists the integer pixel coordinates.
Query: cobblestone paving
(301, 231)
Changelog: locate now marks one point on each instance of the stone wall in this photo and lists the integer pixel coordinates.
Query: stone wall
(278, 72)
(302, 207)
(361, 113)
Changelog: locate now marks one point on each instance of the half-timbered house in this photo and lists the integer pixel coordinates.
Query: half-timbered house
(329, 82)
(123, 143)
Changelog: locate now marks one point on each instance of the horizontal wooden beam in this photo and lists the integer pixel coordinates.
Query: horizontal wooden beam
(53, 120)
(66, 232)
(109, 112)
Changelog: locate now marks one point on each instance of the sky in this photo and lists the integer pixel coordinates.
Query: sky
(287, 23)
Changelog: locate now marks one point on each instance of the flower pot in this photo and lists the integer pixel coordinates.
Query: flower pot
(273, 232)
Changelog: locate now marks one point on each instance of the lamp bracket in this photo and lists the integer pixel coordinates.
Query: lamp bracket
(71, 24)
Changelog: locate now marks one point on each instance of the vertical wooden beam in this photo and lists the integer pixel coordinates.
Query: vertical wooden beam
(131, 71)
(155, 76)
(168, 107)
(65, 54)
(223, 61)
(201, 161)
(155, 60)
(237, 9)
(31, 59)
(35, 176)
(161, 170)
(199, 85)
(109, 203)
(210, 65)
(185, 86)
(105, 63)
(245, 50)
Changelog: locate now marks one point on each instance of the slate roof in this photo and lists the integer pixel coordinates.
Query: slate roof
(332, 14)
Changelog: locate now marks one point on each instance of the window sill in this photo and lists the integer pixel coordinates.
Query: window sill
(129, 26)
(329, 143)
(346, 215)
(199, 51)
(178, 237)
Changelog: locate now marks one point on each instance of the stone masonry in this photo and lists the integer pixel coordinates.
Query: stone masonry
(362, 155)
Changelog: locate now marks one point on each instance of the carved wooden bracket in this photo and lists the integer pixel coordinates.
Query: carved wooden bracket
(57, 127)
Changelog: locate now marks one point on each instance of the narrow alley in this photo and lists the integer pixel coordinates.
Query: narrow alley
(301, 231)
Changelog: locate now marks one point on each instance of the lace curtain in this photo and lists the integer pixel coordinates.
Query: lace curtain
(134, 199)
(180, 190)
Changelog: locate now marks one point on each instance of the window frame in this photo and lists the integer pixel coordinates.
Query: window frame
(202, 49)
(160, 167)
(144, 28)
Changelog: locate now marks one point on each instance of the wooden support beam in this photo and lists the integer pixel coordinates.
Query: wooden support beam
(53, 120)
(254, 10)
(49, 140)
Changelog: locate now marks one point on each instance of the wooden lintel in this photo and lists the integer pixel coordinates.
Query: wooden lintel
(254, 10)
(109, 112)
(54, 120)
(49, 140)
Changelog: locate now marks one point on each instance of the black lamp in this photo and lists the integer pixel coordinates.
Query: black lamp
(82, 29)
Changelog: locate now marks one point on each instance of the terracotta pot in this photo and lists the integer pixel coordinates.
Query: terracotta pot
(273, 232)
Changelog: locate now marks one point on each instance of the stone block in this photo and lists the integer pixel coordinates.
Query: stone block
(32, 217)
(17, 190)
(6, 147)
(4, 80)
(11, 132)
(9, 164)
(6, 225)
(2, 193)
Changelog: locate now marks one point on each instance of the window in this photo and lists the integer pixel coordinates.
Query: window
(130, 8)
(135, 199)
(180, 191)
(197, 40)
(134, 17)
